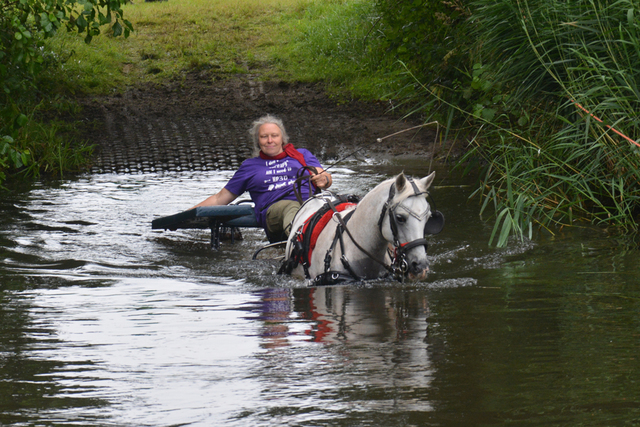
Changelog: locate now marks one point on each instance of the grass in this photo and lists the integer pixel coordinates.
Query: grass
(333, 41)
(337, 42)
(227, 37)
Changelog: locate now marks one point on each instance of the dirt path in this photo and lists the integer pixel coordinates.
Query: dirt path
(201, 124)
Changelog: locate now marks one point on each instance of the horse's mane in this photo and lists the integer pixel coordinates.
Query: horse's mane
(403, 188)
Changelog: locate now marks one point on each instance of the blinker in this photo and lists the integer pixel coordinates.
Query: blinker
(435, 223)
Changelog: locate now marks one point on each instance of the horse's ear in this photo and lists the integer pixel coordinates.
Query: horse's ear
(401, 181)
(428, 180)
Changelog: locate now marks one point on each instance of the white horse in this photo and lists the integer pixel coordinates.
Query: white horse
(383, 233)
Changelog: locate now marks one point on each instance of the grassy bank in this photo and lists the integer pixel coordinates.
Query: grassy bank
(571, 70)
(224, 37)
(297, 40)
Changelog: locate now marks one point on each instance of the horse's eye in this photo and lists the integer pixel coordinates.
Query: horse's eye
(401, 219)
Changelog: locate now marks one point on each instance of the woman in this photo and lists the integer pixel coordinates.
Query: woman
(269, 178)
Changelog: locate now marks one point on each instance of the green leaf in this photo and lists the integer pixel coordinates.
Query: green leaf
(506, 230)
(18, 36)
(104, 19)
(489, 113)
(523, 120)
(22, 120)
(497, 224)
(81, 22)
(15, 158)
(117, 29)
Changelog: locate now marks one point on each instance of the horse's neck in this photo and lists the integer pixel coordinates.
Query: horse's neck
(365, 228)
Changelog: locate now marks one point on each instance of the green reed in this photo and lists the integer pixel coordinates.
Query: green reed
(564, 166)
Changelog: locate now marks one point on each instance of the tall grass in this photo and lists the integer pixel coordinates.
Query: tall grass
(552, 58)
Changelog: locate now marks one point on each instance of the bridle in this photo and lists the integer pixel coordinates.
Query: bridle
(399, 265)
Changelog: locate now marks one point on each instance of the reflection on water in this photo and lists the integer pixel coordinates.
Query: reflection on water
(106, 322)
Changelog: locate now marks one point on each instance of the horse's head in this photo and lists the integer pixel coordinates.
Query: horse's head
(405, 219)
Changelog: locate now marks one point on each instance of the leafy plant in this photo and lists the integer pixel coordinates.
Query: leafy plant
(24, 25)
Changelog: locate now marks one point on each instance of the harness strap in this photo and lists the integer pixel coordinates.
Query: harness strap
(307, 235)
(386, 206)
(416, 192)
(363, 250)
(405, 247)
(330, 278)
(336, 237)
(343, 259)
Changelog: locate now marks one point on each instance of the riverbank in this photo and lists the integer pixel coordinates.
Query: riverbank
(199, 121)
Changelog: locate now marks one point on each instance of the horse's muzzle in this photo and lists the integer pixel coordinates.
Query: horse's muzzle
(418, 274)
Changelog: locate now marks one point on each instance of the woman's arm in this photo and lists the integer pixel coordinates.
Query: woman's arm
(223, 197)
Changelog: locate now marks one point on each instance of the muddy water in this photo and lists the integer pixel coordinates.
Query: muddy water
(106, 322)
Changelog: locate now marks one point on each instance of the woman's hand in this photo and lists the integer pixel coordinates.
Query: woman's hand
(322, 179)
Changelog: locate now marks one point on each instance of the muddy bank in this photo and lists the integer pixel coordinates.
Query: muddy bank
(200, 123)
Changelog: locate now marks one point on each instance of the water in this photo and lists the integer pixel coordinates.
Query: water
(104, 321)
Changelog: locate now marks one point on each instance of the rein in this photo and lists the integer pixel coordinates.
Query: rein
(343, 224)
(300, 178)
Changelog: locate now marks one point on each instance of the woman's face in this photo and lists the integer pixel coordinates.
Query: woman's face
(270, 139)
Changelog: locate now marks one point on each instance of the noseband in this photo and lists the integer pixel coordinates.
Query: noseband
(399, 264)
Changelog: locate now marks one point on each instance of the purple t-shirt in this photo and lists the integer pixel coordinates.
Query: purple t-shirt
(268, 181)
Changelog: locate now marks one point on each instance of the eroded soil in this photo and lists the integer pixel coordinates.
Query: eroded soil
(200, 123)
